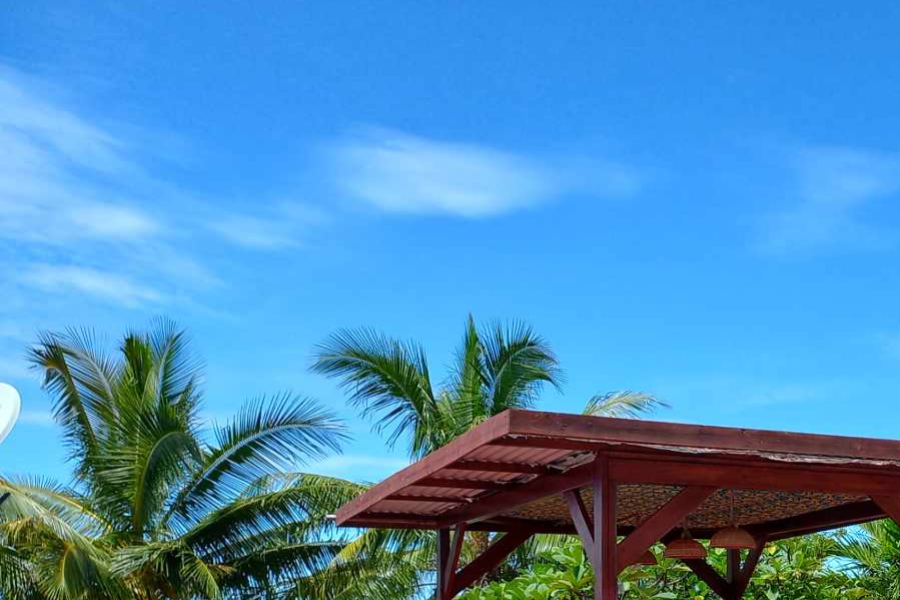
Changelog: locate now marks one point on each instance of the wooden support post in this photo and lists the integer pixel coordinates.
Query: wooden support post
(443, 559)
(710, 577)
(743, 578)
(456, 544)
(604, 526)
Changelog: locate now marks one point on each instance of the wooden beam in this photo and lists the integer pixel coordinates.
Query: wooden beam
(581, 519)
(710, 577)
(742, 580)
(489, 560)
(797, 478)
(641, 432)
(660, 523)
(605, 530)
(456, 544)
(890, 505)
(820, 520)
(518, 495)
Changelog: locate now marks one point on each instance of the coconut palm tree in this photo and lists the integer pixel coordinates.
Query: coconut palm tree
(495, 368)
(161, 508)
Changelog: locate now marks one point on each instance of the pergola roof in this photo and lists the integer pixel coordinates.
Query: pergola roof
(510, 473)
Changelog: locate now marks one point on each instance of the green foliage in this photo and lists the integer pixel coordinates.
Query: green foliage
(496, 368)
(160, 507)
(801, 569)
(871, 553)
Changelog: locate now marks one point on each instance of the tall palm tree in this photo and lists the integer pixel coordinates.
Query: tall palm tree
(158, 508)
(495, 368)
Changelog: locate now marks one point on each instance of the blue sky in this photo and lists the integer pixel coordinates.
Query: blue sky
(695, 200)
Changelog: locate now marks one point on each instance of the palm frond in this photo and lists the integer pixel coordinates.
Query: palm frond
(517, 364)
(162, 447)
(80, 378)
(466, 401)
(384, 377)
(623, 405)
(178, 369)
(35, 495)
(277, 503)
(265, 436)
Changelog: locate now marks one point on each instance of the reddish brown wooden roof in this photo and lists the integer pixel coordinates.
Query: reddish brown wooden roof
(509, 472)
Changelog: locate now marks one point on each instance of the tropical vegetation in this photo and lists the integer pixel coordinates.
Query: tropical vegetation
(801, 569)
(163, 504)
(159, 507)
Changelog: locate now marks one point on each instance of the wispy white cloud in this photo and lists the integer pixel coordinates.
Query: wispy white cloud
(833, 184)
(82, 212)
(64, 279)
(287, 226)
(398, 172)
(70, 202)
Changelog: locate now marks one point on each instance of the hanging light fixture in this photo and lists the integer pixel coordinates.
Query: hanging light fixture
(733, 537)
(685, 548)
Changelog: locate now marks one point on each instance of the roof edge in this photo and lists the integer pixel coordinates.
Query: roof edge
(494, 428)
(660, 433)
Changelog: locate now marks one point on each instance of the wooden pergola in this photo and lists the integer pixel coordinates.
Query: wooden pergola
(624, 485)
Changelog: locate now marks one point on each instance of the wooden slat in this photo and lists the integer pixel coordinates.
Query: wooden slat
(518, 495)
(497, 467)
(458, 484)
(428, 498)
(494, 428)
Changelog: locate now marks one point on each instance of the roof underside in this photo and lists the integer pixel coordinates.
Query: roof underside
(509, 472)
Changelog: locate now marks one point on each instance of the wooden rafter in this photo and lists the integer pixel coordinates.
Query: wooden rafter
(660, 523)
(482, 565)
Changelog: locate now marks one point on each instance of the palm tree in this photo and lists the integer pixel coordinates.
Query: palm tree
(871, 553)
(160, 508)
(496, 368)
